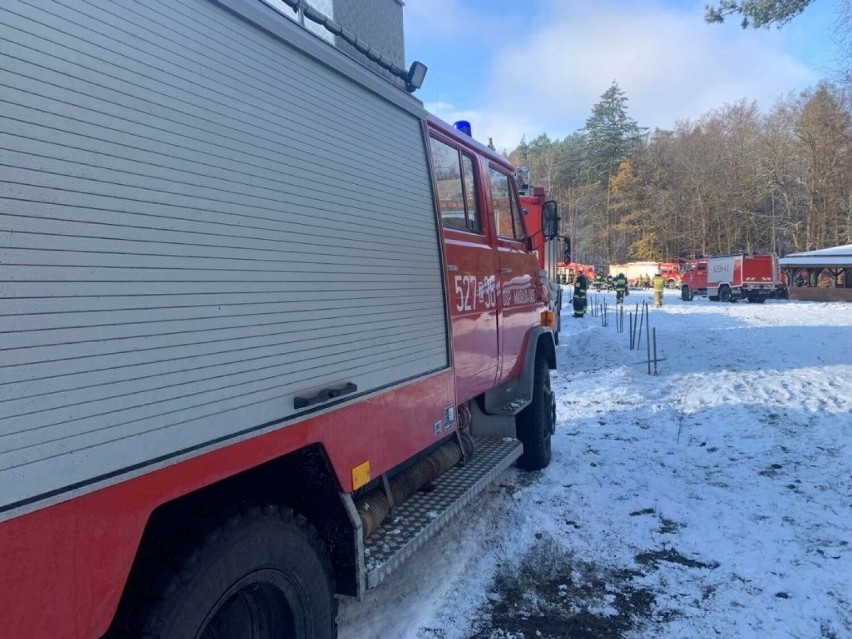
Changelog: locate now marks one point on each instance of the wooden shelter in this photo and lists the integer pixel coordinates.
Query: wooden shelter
(823, 275)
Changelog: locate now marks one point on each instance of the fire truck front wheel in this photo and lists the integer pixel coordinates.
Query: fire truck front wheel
(259, 573)
(686, 293)
(536, 423)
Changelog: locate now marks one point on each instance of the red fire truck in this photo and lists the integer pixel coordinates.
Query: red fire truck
(731, 278)
(569, 270)
(671, 273)
(254, 301)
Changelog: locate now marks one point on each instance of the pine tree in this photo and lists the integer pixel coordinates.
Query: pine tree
(610, 135)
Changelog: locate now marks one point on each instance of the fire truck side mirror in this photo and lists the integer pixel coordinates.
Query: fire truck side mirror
(549, 219)
(566, 249)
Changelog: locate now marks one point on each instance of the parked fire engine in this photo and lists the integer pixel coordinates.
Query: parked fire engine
(671, 273)
(254, 299)
(731, 278)
(569, 270)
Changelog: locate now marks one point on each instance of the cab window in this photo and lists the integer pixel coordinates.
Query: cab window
(454, 179)
(507, 216)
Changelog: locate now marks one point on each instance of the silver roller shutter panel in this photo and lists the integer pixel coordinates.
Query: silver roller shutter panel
(200, 219)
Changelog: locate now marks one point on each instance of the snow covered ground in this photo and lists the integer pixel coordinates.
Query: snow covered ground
(714, 499)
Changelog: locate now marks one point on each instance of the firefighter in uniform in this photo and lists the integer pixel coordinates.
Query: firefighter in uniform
(620, 284)
(581, 285)
(659, 284)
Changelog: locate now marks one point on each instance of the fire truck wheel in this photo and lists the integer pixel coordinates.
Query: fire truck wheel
(260, 573)
(535, 424)
(725, 294)
(686, 294)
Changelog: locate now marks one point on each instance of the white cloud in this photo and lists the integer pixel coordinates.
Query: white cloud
(504, 130)
(670, 63)
(444, 20)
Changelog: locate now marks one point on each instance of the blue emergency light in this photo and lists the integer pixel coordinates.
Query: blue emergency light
(464, 127)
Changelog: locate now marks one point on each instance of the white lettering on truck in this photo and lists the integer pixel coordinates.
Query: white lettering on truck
(472, 293)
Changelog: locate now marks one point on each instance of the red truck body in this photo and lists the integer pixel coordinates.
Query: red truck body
(187, 335)
(569, 270)
(671, 273)
(731, 278)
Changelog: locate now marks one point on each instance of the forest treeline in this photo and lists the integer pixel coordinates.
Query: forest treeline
(737, 179)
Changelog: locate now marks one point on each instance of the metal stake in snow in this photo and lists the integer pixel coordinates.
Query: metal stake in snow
(655, 350)
(648, 337)
(632, 333)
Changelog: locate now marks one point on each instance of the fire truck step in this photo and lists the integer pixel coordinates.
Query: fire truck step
(414, 522)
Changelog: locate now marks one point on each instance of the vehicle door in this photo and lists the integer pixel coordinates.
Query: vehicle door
(471, 268)
(521, 296)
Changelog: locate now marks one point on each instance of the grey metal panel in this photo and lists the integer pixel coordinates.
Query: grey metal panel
(198, 222)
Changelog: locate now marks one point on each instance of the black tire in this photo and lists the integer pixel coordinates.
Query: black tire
(536, 423)
(686, 294)
(261, 573)
(725, 294)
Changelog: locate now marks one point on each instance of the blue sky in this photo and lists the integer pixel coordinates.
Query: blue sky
(526, 67)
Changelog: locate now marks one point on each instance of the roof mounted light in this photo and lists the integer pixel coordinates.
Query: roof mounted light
(415, 77)
(464, 127)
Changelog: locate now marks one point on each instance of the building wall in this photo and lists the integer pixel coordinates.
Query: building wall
(376, 22)
(379, 24)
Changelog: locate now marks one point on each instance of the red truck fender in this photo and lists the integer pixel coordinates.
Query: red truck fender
(513, 396)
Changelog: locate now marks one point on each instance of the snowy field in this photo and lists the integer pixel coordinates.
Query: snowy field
(714, 499)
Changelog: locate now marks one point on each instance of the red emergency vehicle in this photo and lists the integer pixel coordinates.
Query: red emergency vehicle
(569, 270)
(671, 273)
(254, 299)
(731, 278)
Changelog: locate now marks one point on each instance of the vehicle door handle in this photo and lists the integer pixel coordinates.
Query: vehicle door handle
(452, 268)
(505, 270)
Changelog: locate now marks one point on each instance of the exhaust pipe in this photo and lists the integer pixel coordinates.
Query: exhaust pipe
(373, 508)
